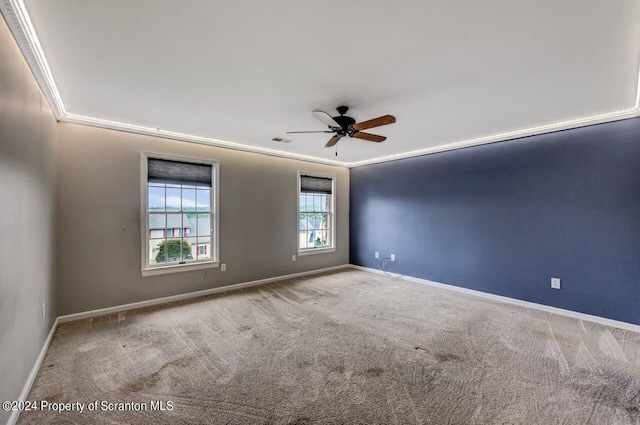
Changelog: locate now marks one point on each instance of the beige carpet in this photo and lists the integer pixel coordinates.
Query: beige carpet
(342, 348)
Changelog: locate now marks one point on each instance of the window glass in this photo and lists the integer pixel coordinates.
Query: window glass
(173, 200)
(204, 248)
(188, 199)
(204, 200)
(156, 198)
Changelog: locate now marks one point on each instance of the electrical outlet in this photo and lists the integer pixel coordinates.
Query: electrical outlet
(555, 282)
(293, 257)
(393, 257)
(223, 267)
(44, 310)
(376, 255)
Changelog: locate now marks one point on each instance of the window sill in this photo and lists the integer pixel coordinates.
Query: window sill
(312, 251)
(154, 271)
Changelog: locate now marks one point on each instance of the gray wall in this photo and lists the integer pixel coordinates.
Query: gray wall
(26, 219)
(98, 218)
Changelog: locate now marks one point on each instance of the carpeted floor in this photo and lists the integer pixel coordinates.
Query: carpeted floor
(341, 348)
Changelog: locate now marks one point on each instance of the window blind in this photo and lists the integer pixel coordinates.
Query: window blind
(315, 184)
(177, 172)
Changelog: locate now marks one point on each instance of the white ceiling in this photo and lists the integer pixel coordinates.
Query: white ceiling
(244, 71)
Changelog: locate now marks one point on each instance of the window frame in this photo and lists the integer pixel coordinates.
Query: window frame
(153, 270)
(332, 214)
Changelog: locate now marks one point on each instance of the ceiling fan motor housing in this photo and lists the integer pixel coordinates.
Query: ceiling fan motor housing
(344, 121)
(342, 109)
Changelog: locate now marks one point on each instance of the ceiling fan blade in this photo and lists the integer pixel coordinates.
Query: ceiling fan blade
(326, 118)
(333, 141)
(376, 122)
(370, 137)
(324, 131)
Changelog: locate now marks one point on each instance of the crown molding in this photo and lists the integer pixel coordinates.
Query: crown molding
(19, 22)
(509, 135)
(17, 17)
(168, 134)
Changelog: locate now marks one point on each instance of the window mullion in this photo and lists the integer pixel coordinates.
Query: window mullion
(197, 257)
(166, 222)
(181, 214)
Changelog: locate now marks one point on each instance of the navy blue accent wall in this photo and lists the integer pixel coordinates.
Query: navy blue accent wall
(506, 217)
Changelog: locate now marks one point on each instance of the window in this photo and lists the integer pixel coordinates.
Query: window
(316, 203)
(180, 219)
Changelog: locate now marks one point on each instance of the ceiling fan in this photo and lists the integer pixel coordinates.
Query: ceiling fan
(343, 125)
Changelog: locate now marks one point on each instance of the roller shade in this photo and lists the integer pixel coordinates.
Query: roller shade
(315, 184)
(176, 172)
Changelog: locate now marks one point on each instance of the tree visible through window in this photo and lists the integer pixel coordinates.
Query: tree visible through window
(315, 211)
(173, 250)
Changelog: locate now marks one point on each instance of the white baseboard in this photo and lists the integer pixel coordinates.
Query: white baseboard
(34, 372)
(180, 297)
(514, 301)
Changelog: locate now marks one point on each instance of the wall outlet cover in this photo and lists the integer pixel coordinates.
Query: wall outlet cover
(223, 267)
(555, 282)
(376, 255)
(293, 258)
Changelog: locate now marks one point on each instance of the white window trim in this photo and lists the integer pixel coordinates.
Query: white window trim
(148, 270)
(324, 250)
